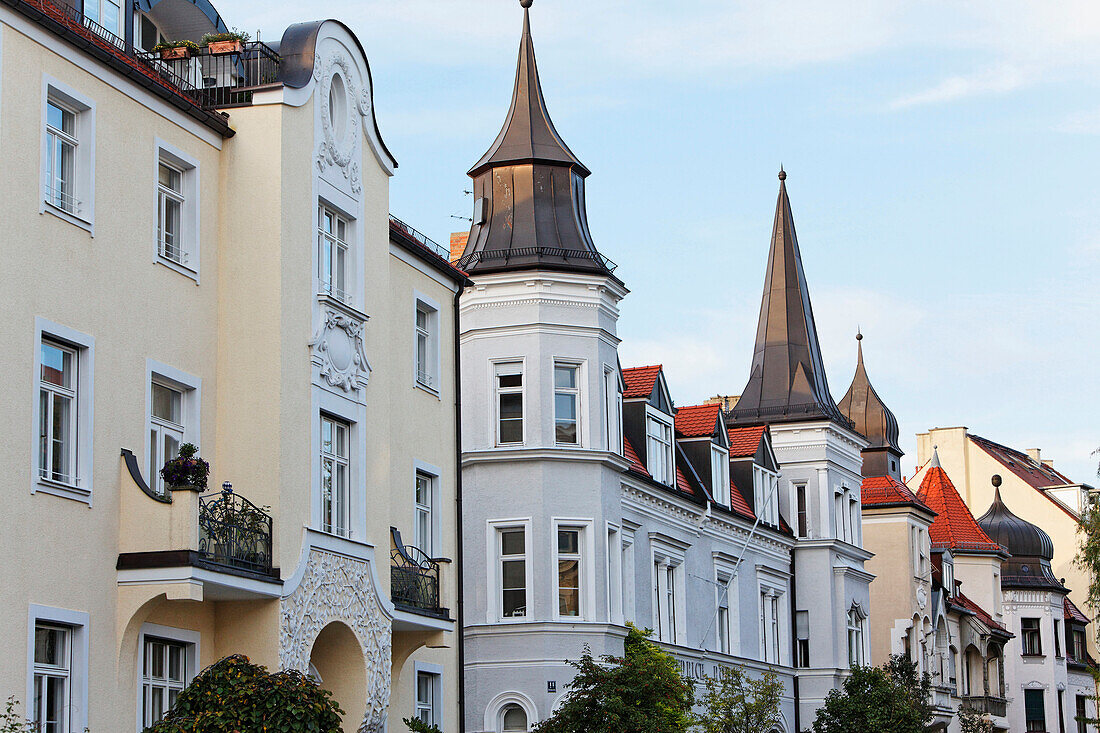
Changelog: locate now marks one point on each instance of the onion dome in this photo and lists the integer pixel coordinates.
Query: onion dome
(870, 415)
(1030, 547)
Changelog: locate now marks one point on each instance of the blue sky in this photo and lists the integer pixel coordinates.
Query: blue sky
(942, 161)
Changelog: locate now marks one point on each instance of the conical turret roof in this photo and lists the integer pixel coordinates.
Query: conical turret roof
(787, 381)
(954, 527)
(868, 413)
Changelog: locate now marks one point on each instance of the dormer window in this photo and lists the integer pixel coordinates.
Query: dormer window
(720, 474)
(765, 485)
(659, 448)
(949, 578)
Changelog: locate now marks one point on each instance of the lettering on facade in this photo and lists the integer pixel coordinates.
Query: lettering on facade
(693, 669)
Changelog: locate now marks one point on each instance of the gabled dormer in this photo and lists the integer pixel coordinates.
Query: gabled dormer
(701, 435)
(648, 421)
(754, 470)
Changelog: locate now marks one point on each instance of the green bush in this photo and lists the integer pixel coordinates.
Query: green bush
(233, 35)
(165, 45)
(234, 695)
(13, 722)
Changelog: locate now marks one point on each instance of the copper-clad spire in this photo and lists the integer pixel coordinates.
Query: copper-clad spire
(528, 134)
(529, 208)
(787, 382)
(868, 413)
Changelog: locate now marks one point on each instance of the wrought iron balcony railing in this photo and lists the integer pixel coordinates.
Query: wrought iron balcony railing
(215, 80)
(987, 704)
(234, 532)
(414, 578)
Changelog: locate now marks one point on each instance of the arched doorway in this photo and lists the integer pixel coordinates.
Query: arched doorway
(337, 659)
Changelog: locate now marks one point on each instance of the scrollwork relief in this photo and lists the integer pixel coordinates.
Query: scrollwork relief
(339, 588)
(338, 344)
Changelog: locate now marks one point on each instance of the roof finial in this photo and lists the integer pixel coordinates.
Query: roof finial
(859, 333)
(526, 3)
(935, 457)
(995, 479)
(782, 173)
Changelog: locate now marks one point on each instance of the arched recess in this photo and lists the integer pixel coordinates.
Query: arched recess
(499, 707)
(337, 658)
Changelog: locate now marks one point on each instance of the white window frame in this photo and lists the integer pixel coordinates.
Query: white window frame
(613, 409)
(723, 640)
(495, 578)
(83, 107)
(427, 375)
(80, 489)
(615, 575)
(771, 622)
(496, 391)
(190, 213)
(192, 640)
(668, 565)
(342, 292)
(436, 704)
(856, 635)
(330, 524)
(665, 471)
(765, 486)
(629, 577)
(190, 408)
(97, 18)
(576, 392)
(77, 623)
(586, 577)
(434, 474)
(720, 474)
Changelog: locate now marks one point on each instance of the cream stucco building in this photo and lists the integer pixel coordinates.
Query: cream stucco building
(200, 250)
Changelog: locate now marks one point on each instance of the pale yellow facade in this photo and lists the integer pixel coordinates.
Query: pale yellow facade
(260, 359)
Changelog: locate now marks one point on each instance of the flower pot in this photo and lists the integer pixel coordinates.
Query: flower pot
(219, 47)
(177, 52)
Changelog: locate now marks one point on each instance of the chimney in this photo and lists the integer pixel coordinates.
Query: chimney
(458, 244)
(726, 401)
(1033, 454)
(1048, 462)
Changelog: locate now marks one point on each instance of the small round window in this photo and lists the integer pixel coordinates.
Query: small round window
(337, 106)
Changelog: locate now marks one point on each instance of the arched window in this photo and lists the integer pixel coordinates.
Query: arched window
(513, 719)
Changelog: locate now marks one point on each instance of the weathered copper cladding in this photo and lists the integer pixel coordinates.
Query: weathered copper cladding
(787, 382)
(529, 206)
(871, 417)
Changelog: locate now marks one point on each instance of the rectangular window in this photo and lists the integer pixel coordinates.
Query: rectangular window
(61, 156)
(335, 467)
(659, 450)
(1078, 645)
(50, 708)
(613, 411)
(165, 430)
(164, 675)
(1082, 714)
(422, 533)
(723, 618)
(720, 474)
(425, 345)
(509, 400)
(766, 492)
(569, 572)
(170, 202)
(838, 515)
(855, 638)
(512, 553)
(1035, 710)
(670, 601)
(1057, 638)
(332, 254)
(802, 637)
(802, 510)
(427, 692)
(104, 15)
(769, 625)
(1031, 639)
(566, 404)
(57, 413)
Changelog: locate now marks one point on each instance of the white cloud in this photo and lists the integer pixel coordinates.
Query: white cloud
(993, 81)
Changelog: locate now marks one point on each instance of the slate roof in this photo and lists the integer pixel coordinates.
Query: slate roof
(697, 421)
(745, 440)
(954, 526)
(887, 490)
(639, 381)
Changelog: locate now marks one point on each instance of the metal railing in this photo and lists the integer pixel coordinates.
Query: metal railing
(423, 239)
(234, 532)
(414, 578)
(518, 252)
(73, 18)
(987, 704)
(215, 80)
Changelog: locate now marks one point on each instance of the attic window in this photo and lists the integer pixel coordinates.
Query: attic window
(659, 449)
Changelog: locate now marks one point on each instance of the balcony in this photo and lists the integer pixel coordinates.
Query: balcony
(234, 532)
(994, 706)
(218, 80)
(414, 579)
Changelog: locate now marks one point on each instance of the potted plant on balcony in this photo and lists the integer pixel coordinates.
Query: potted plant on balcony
(169, 50)
(186, 471)
(231, 42)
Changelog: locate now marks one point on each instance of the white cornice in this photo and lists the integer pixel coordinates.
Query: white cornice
(576, 455)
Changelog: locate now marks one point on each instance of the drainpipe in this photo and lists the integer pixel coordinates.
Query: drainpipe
(458, 519)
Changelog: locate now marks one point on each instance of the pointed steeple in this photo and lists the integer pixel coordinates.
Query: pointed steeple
(787, 382)
(529, 207)
(871, 417)
(528, 134)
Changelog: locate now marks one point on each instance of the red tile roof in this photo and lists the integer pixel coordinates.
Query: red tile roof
(978, 611)
(636, 464)
(744, 441)
(682, 483)
(697, 421)
(1072, 612)
(886, 490)
(954, 526)
(738, 503)
(639, 380)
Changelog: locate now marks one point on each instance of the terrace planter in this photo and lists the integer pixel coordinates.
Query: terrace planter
(221, 47)
(176, 52)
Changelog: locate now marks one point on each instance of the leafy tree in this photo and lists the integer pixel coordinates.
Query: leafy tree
(974, 721)
(640, 692)
(739, 703)
(416, 725)
(235, 695)
(892, 698)
(13, 722)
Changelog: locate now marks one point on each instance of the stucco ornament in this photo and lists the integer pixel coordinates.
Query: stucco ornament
(339, 588)
(338, 346)
(922, 597)
(341, 103)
